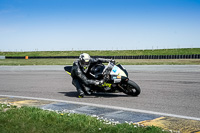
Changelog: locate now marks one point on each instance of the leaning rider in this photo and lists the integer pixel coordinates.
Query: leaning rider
(80, 71)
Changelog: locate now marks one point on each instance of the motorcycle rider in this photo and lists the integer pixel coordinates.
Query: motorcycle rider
(80, 72)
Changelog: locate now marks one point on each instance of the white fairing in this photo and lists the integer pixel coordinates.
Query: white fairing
(117, 71)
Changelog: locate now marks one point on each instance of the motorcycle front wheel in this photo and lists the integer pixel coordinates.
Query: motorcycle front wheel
(131, 88)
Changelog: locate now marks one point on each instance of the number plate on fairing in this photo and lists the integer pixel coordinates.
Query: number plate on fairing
(116, 79)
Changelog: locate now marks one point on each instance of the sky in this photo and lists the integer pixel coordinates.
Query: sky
(62, 25)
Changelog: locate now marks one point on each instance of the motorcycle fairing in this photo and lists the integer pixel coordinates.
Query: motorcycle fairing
(68, 69)
(123, 69)
(117, 71)
(116, 78)
(107, 84)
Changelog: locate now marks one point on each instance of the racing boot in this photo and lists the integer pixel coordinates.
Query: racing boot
(78, 88)
(87, 89)
(81, 94)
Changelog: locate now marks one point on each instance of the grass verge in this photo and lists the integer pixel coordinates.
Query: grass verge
(31, 119)
(182, 51)
(121, 61)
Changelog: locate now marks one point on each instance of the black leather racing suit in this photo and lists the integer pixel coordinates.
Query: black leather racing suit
(80, 79)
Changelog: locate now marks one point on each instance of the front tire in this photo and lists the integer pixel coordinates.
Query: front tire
(131, 88)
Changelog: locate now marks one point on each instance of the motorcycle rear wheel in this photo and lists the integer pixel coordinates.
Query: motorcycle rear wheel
(131, 88)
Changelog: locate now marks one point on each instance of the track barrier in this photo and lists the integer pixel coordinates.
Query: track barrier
(194, 56)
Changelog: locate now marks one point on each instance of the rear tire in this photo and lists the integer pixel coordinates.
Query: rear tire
(131, 88)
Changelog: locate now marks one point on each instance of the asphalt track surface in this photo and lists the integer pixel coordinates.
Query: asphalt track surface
(165, 89)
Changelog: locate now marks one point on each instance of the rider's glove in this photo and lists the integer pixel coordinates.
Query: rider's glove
(96, 82)
(99, 82)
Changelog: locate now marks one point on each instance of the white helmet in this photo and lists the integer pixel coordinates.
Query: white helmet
(84, 60)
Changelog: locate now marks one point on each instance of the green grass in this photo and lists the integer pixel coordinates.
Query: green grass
(121, 61)
(31, 119)
(184, 51)
(36, 62)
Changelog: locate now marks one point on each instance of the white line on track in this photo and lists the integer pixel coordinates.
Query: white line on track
(106, 106)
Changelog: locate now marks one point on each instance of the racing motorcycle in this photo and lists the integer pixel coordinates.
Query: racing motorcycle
(115, 79)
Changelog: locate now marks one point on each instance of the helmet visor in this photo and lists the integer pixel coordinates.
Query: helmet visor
(85, 62)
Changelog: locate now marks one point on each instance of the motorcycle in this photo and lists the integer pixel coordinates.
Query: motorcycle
(115, 79)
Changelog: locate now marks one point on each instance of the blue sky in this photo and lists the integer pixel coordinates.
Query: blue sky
(27, 25)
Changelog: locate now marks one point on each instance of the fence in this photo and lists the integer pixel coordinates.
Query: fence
(194, 56)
